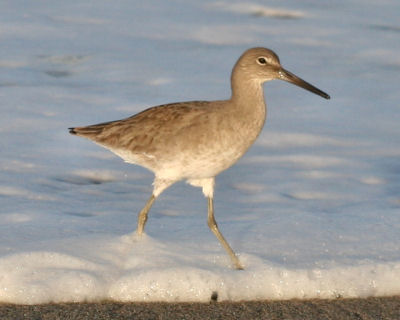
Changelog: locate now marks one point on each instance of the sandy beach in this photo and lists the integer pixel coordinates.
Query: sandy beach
(385, 308)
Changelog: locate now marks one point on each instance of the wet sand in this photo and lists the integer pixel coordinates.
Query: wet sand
(342, 309)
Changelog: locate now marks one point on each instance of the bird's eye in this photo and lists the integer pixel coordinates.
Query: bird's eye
(262, 61)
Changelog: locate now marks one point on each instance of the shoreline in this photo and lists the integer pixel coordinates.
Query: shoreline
(373, 308)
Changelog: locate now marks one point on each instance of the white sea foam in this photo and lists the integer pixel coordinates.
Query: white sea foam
(122, 271)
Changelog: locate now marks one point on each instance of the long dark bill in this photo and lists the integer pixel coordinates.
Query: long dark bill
(290, 77)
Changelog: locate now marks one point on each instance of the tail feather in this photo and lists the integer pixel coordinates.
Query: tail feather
(88, 131)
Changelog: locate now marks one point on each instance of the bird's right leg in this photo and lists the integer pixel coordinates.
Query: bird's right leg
(142, 218)
(159, 186)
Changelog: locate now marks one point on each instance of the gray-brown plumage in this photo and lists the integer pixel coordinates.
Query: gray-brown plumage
(197, 140)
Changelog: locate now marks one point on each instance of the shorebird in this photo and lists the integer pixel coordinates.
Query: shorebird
(197, 140)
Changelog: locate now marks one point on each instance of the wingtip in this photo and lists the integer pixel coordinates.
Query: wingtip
(72, 130)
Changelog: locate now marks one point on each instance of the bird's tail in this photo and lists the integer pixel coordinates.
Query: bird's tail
(88, 131)
(72, 130)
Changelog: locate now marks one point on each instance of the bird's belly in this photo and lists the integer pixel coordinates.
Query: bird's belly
(204, 159)
(200, 165)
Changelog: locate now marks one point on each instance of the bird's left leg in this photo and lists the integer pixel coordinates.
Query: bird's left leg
(208, 190)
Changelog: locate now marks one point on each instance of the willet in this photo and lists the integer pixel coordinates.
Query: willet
(196, 140)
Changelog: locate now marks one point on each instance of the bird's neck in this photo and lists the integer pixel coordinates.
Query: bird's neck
(249, 90)
(247, 102)
(248, 96)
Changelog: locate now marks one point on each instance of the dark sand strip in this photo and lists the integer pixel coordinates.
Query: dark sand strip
(387, 308)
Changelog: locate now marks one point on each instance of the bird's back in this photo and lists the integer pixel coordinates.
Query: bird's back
(132, 133)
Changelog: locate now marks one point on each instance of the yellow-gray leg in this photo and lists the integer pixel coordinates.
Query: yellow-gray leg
(159, 186)
(142, 218)
(214, 228)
